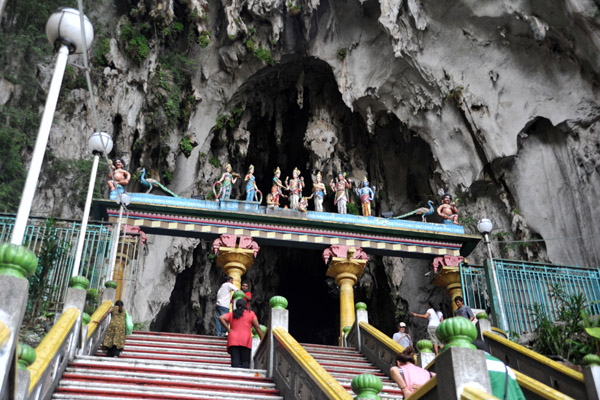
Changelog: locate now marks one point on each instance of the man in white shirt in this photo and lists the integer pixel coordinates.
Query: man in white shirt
(223, 302)
(401, 337)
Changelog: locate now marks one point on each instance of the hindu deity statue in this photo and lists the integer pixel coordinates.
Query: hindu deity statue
(339, 187)
(227, 180)
(447, 210)
(120, 176)
(276, 189)
(318, 192)
(366, 195)
(295, 186)
(251, 189)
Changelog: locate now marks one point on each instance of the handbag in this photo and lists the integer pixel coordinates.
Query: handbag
(128, 323)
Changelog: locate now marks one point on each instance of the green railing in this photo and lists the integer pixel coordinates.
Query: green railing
(95, 255)
(523, 284)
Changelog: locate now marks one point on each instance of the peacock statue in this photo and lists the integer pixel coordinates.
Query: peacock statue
(151, 183)
(424, 212)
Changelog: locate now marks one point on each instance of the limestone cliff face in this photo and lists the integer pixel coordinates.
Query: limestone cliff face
(495, 102)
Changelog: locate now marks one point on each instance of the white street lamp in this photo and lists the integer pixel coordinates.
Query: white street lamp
(99, 143)
(485, 226)
(64, 32)
(123, 199)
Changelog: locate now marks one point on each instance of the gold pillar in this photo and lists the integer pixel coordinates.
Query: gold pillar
(235, 262)
(128, 249)
(346, 271)
(449, 279)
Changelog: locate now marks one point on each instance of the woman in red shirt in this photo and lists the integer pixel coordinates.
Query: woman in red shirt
(239, 325)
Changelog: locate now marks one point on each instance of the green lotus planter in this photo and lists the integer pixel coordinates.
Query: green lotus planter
(366, 386)
(110, 284)
(346, 329)
(238, 294)
(17, 261)
(481, 315)
(457, 332)
(26, 355)
(361, 306)
(591, 360)
(278, 302)
(85, 318)
(425, 346)
(79, 282)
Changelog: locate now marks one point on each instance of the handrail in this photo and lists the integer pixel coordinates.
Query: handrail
(331, 388)
(475, 393)
(536, 356)
(4, 334)
(539, 388)
(99, 313)
(424, 390)
(382, 337)
(51, 344)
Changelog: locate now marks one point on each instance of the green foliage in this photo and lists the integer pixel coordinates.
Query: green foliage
(341, 54)
(258, 51)
(231, 119)
(202, 155)
(101, 51)
(186, 146)
(565, 337)
(214, 162)
(135, 38)
(352, 209)
(53, 249)
(210, 196)
(167, 176)
(73, 79)
(204, 39)
(293, 8)
(455, 95)
(76, 172)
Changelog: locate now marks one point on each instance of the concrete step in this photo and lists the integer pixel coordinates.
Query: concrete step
(168, 367)
(201, 340)
(358, 359)
(212, 346)
(322, 348)
(166, 356)
(134, 390)
(165, 376)
(171, 350)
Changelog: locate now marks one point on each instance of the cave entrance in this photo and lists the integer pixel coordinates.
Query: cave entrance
(313, 298)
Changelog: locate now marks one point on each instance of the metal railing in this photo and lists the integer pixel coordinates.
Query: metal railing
(95, 257)
(524, 284)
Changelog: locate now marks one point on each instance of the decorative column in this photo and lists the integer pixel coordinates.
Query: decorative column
(346, 265)
(127, 251)
(447, 275)
(235, 254)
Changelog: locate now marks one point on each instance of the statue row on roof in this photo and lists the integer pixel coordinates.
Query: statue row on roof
(294, 187)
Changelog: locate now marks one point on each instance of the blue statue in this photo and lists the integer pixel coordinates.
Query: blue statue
(251, 189)
(366, 195)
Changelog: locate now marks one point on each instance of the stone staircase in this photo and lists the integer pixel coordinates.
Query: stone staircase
(344, 363)
(157, 365)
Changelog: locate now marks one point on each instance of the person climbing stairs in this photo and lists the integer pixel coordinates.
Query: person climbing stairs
(156, 365)
(344, 363)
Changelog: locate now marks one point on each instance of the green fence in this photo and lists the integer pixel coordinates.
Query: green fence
(523, 284)
(64, 234)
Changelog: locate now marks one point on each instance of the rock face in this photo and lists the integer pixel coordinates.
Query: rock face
(495, 102)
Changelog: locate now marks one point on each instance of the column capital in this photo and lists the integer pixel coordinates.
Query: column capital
(235, 242)
(447, 275)
(235, 254)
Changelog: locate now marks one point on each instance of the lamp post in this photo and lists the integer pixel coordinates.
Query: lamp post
(64, 32)
(485, 226)
(123, 199)
(99, 143)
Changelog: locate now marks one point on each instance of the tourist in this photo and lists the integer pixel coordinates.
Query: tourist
(239, 338)
(406, 374)
(401, 337)
(114, 339)
(434, 320)
(119, 176)
(223, 301)
(502, 377)
(247, 294)
(462, 310)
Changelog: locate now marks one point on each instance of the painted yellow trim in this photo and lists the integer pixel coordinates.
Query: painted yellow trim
(51, 343)
(319, 375)
(103, 309)
(539, 388)
(536, 356)
(475, 393)
(500, 332)
(4, 334)
(424, 390)
(381, 337)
